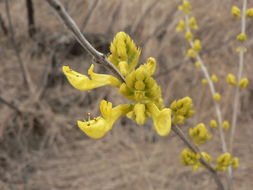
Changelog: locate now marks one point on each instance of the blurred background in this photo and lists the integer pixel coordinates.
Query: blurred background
(40, 145)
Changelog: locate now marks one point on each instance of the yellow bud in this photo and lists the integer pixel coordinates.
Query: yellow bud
(217, 96)
(139, 110)
(199, 134)
(197, 45)
(214, 78)
(231, 79)
(188, 35)
(191, 53)
(206, 156)
(241, 49)
(139, 85)
(193, 23)
(236, 12)
(225, 125)
(197, 64)
(180, 26)
(213, 123)
(235, 162)
(123, 67)
(243, 83)
(204, 81)
(249, 12)
(241, 37)
(185, 7)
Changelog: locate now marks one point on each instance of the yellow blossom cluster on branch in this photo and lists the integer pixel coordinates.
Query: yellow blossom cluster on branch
(139, 87)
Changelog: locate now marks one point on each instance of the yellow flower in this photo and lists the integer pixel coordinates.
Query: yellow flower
(231, 79)
(243, 83)
(241, 37)
(188, 35)
(199, 134)
(225, 125)
(197, 45)
(213, 123)
(217, 96)
(197, 64)
(161, 119)
(236, 12)
(223, 162)
(182, 110)
(124, 53)
(204, 81)
(83, 82)
(185, 7)
(190, 158)
(249, 12)
(206, 157)
(180, 26)
(193, 23)
(235, 162)
(191, 53)
(99, 126)
(214, 78)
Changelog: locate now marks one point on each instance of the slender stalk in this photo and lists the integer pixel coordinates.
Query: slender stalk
(10, 105)
(239, 76)
(195, 149)
(212, 89)
(26, 76)
(71, 25)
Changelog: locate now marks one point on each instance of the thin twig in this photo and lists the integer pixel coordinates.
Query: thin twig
(30, 18)
(3, 26)
(196, 150)
(71, 25)
(10, 105)
(87, 18)
(239, 76)
(24, 70)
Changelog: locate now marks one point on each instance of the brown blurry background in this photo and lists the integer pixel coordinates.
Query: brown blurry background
(40, 145)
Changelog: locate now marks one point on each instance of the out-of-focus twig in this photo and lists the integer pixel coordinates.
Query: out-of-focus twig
(195, 149)
(24, 70)
(30, 18)
(143, 15)
(3, 26)
(10, 105)
(69, 22)
(90, 11)
(114, 17)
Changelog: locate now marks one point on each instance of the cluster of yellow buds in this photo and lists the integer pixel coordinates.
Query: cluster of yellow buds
(190, 158)
(181, 110)
(213, 123)
(243, 83)
(236, 12)
(217, 96)
(214, 78)
(139, 87)
(185, 7)
(225, 160)
(199, 134)
(225, 125)
(231, 79)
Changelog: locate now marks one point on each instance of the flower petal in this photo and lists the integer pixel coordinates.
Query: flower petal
(95, 128)
(83, 82)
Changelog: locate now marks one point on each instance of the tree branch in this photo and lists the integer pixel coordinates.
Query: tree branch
(71, 25)
(195, 149)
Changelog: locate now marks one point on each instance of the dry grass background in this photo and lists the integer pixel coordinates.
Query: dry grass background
(43, 149)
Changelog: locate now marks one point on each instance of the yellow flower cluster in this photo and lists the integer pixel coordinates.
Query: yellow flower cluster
(213, 123)
(185, 7)
(249, 12)
(236, 12)
(139, 87)
(214, 78)
(181, 110)
(241, 37)
(243, 83)
(231, 79)
(225, 125)
(217, 96)
(225, 160)
(199, 134)
(190, 158)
